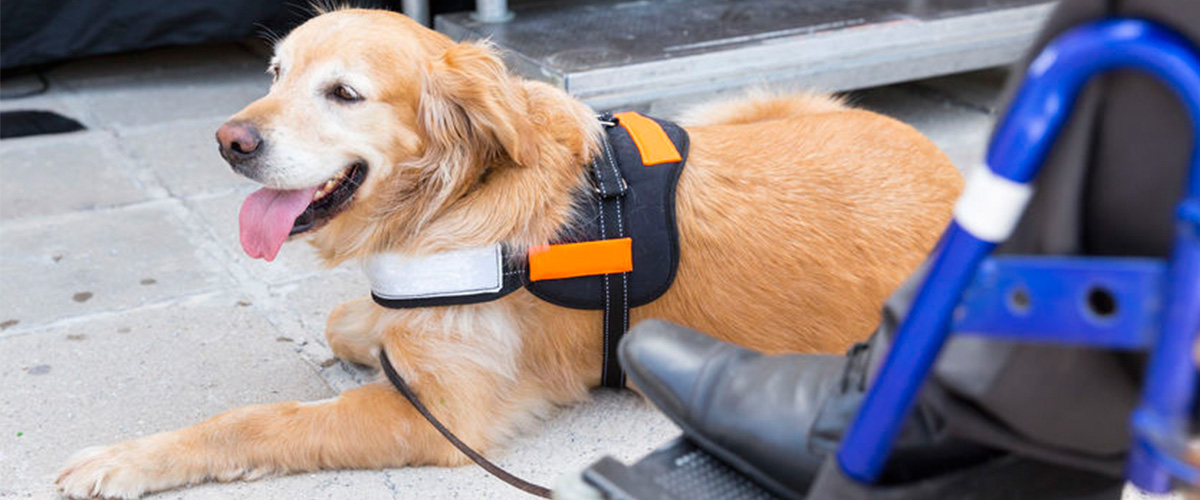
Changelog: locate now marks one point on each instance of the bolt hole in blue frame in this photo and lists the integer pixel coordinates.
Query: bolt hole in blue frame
(1155, 304)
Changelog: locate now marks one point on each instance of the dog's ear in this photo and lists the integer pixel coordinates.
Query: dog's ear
(468, 100)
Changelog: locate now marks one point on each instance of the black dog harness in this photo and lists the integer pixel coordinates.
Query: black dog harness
(622, 251)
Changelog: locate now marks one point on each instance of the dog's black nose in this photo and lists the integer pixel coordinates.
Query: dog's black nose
(239, 141)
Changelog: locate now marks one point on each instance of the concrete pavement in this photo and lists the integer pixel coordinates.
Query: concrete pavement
(127, 307)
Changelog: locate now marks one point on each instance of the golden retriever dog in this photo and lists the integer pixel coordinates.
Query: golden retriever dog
(797, 216)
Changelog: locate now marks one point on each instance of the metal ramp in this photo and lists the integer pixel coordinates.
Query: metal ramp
(621, 54)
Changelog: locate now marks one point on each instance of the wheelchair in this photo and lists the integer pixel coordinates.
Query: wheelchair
(1141, 304)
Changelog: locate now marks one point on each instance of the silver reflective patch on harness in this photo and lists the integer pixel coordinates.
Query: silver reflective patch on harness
(448, 274)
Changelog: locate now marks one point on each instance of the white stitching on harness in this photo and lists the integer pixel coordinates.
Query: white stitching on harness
(603, 192)
(624, 276)
(625, 283)
(603, 235)
(621, 234)
(612, 163)
(610, 158)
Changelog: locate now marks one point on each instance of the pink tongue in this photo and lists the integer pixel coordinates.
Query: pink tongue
(268, 216)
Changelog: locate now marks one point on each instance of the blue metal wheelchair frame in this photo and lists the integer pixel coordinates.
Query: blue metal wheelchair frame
(1160, 301)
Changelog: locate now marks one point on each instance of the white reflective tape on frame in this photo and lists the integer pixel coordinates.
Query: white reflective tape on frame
(455, 273)
(990, 206)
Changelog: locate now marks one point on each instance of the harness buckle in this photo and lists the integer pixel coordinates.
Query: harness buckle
(607, 119)
(613, 194)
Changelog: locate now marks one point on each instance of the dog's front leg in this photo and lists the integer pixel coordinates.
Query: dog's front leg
(368, 427)
(354, 331)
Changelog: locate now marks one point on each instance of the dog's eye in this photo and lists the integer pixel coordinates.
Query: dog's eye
(344, 93)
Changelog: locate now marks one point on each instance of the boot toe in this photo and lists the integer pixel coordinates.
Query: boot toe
(666, 362)
(753, 411)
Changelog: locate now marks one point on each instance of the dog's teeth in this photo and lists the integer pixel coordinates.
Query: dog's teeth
(330, 184)
(318, 195)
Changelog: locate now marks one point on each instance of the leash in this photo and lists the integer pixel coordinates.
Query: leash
(493, 469)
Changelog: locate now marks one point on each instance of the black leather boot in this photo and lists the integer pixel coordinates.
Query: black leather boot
(752, 411)
(774, 418)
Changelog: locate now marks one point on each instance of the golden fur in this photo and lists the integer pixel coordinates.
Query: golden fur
(797, 216)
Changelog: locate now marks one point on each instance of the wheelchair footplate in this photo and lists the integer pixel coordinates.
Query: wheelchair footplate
(677, 470)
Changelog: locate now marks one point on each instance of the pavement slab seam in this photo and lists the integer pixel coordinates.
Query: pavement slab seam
(68, 321)
(76, 215)
(390, 484)
(146, 177)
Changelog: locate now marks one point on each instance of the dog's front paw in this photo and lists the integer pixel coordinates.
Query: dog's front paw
(125, 470)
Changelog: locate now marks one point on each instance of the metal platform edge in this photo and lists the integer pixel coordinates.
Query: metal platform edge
(839, 60)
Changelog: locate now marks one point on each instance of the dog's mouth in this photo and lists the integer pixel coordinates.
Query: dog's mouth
(270, 216)
(330, 198)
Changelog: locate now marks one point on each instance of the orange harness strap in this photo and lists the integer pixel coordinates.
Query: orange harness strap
(589, 258)
(651, 141)
(612, 256)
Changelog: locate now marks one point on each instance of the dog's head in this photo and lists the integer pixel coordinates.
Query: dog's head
(371, 118)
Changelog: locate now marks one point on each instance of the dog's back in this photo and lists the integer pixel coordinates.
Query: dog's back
(798, 215)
